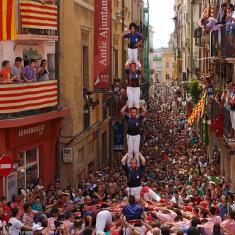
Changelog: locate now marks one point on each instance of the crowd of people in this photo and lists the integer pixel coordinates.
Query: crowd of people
(191, 196)
(17, 73)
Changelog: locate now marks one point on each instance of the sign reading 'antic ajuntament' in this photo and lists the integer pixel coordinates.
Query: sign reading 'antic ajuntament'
(102, 32)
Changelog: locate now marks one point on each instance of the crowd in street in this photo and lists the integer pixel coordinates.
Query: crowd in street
(192, 198)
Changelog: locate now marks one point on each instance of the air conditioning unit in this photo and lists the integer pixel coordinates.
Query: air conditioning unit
(67, 155)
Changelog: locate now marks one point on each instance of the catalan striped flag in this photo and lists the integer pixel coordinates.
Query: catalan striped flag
(196, 112)
(7, 20)
(27, 96)
(36, 15)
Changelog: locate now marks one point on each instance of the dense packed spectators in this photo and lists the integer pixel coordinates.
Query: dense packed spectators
(18, 73)
(194, 198)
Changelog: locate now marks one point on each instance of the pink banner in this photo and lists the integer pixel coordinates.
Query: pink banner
(102, 61)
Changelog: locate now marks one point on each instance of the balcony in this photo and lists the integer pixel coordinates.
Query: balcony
(36, 21)
(222, 44)
(228, 132)
(27, 99)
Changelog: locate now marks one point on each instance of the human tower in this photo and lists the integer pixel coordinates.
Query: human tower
(133, 162)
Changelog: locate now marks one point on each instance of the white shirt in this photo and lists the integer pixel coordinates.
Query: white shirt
(15, 227)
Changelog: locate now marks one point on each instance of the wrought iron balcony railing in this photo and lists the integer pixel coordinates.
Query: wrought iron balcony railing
(222, 44)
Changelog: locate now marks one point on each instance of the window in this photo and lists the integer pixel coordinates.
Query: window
(28, 168)
(85, 77)
(85, 67)
(115, 53)
(167, 76)
(167, 65)
(104, 109)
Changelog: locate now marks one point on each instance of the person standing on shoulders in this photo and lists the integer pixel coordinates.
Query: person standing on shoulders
(133, 130)
(134, 174)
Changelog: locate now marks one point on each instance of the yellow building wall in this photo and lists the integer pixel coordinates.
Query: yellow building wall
(167, 58)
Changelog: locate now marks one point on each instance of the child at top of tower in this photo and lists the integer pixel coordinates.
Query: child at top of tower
(135, 40)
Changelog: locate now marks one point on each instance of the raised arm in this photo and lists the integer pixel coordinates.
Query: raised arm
(144, 111)
(142, 159)
(123, 33)
(123, 161)
(123, 111)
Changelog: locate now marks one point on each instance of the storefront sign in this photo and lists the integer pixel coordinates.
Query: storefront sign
(28, 134)
(102, 19)
(118, 143)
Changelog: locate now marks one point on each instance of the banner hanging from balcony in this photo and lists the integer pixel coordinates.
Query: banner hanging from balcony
(102, 66)
(7, 20)
(196, 112)
(36, 15)
(27, 96)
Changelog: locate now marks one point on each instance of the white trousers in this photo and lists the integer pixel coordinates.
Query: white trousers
(133, 55)
(128, 231)
(103, 219)
(151, 195)
(134, 191)
(133, 143)
(133, 94)
(232, 116)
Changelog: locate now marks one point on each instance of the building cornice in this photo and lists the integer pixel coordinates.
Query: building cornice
(85, 5)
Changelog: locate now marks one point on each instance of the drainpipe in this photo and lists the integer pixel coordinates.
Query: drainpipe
(123, 51)
(57, 54)
(57, 62)
(191, 39)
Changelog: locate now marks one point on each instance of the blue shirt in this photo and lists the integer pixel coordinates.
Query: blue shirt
(223, 211)
(133, 39)
(133, 77)
(133, 212)
(133, 124)
(134, 176)
(30, 73)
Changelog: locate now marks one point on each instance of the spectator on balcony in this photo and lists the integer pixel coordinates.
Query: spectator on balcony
(43, 74)
(225, 96)
(229, 19)
(17, 70)
(30, 72)
(221, 18)
(6, 73)
(232, 104)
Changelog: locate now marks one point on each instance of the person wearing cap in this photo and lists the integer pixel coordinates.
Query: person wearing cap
(135, 39)
(133, 76)
(133, 130)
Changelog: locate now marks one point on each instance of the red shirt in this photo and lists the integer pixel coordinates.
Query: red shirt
(6, 213)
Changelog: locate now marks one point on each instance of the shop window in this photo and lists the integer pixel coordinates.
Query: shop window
(28, 168)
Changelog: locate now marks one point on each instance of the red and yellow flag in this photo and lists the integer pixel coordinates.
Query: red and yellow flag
(7, 20)
(197, 110)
